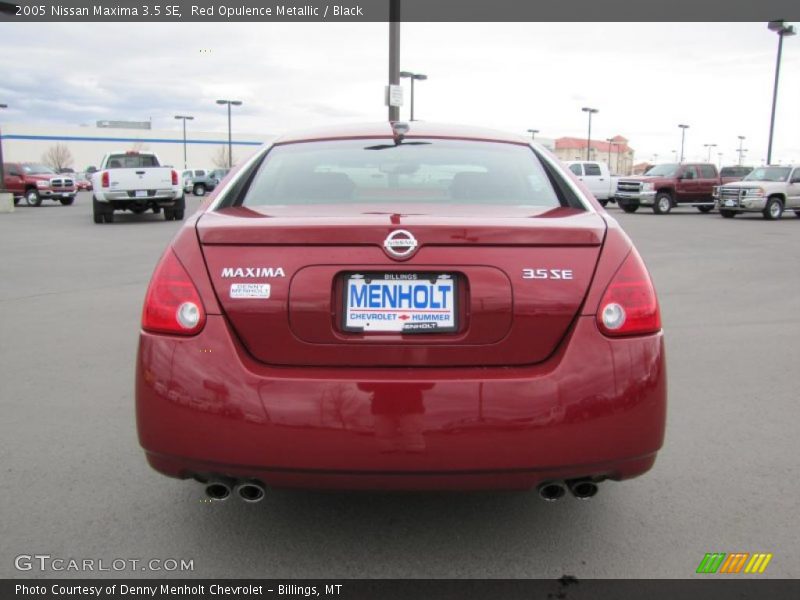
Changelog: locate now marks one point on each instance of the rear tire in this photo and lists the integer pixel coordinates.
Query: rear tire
(109, 217)
(67, 201)
(629, 208)
(705, 209)
(16, 200)
(169, 214)
(728, 214)
(33, 198)
(98, 210)
(797, 213)
(774, 209)
(662, 204)
(199, 190)
(603, 203)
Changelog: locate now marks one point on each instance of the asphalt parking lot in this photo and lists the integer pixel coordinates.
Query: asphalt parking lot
(76, 484)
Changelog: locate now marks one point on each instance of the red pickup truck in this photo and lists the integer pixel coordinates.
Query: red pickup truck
(34, 182)
(665, 186)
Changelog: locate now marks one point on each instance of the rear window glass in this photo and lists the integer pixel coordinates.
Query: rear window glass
(735, 171)
(378, 171)
(592, 169)
(131, 161)
(708, 172)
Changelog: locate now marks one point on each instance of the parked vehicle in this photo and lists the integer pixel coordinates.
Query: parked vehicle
(401, 306)
(83, 182)
(199, 181)
(768, 190)
(734, 173)
(35, 182)
(134, 181)
(668, 185)
(597, 177)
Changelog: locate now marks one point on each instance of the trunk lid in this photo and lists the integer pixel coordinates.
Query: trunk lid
(521, 274)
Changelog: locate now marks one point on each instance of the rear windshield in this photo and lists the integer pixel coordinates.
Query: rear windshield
(131, 161)
(424, 171)
(735, 171)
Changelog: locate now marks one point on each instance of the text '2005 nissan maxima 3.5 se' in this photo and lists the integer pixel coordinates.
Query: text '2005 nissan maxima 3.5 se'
(385, 307)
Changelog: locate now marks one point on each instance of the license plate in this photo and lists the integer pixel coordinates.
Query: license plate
(730, 203)
(65, 195)
(141, 193)
(400, 302)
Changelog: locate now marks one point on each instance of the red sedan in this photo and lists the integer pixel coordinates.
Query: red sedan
(405, 308)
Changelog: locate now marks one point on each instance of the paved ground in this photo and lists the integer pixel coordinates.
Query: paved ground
(76, 485)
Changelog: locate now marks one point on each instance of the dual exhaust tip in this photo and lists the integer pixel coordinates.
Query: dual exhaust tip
(252, 491)
(248, 491)
(583, 489)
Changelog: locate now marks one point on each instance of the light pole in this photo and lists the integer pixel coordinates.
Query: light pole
(782, 31)
(533, 133)
(394, 55)
(719, 160)
(184, 118)
(412, 76)
(230, 142)
(610, 143)
(709, 146)
(741, 141)
(591, 111)
(2, 173)
(675, 155)
(683, 138)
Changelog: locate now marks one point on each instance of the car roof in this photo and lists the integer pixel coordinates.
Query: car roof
(416, 129)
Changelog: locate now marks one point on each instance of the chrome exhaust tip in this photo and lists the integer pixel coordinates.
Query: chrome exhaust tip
(218, 490)
(583, 489)
(552, 491)
(251, 492)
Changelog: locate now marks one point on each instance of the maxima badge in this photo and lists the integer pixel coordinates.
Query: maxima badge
(400, 244)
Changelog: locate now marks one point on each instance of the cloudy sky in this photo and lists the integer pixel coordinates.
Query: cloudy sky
(643, 78)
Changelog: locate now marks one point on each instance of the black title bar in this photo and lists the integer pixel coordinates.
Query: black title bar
(364, 11)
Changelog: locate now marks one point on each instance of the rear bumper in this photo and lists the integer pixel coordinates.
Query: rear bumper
(122, 197)
(596, 408)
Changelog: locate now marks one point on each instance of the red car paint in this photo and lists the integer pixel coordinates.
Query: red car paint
(526, 391)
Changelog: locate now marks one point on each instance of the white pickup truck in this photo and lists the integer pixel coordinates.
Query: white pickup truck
(137, 182)
(595, 176)
(768, 190)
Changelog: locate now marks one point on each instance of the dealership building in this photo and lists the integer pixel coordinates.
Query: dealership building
(87, 145)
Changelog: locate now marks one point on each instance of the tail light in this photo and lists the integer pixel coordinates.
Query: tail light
(174, 178)
(172, 304)
(629, 305)
(105, 179)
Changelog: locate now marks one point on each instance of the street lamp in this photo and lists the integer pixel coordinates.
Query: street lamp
(230, 143)
(719, 160)
(533, 132)
(184, 118)
(412, 76)
(741, 141)
(2, 173)
(611, 142)
(591, 111)
(709, 146)
(782, 31)
(683, 138)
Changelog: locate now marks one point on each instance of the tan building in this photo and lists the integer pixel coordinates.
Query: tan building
(616, 153)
